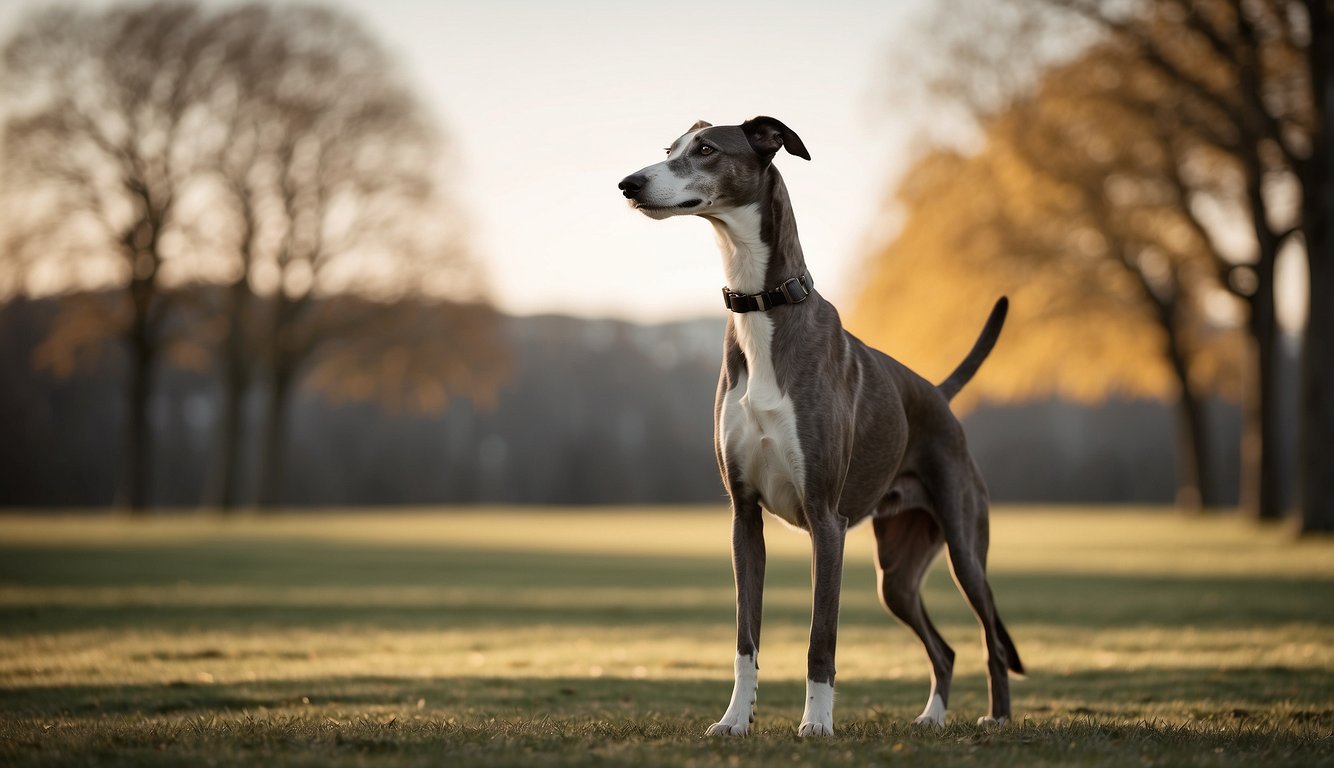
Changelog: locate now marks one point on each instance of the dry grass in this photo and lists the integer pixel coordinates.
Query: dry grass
(536, 637)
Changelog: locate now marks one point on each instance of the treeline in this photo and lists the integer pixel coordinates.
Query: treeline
(195, 182)
(596, 411)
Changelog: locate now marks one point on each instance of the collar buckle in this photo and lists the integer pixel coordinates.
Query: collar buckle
(793, 290)
(792, 285)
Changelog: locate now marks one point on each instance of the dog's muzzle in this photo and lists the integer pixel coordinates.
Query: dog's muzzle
(632, 184)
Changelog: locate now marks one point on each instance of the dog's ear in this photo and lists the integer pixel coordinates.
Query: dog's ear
(700, 124)
(766, 135)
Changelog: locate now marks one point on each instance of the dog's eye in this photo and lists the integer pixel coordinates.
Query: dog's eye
(668, 150)
(705, 149)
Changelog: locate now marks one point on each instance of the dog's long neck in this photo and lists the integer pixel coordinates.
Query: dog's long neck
(759, 241)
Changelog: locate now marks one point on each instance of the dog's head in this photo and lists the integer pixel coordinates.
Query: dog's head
(711, 168)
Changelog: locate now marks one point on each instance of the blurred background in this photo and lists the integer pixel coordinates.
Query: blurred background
(365, 253)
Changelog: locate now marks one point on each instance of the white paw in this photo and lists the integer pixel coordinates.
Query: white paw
(990, 721)
(818, 717)
(741, 709)
(815, 729)
(934, 714)
(726, 728)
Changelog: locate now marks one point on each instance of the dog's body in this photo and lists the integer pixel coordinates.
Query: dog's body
(823, 431)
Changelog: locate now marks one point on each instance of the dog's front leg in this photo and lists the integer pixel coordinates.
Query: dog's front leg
(748, 566)
(828, 532)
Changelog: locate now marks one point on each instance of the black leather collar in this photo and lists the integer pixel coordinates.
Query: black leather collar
(793, 290)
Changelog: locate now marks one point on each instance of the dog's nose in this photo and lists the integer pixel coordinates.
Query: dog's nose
(631, 185)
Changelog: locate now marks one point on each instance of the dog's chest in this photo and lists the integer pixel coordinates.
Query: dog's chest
(758, 427)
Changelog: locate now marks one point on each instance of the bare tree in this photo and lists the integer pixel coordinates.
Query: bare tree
(245, 112)
(1140, 174)
(273, 151)
(1236, 80)
(1259, 70)
(98, 155)
(340, 165)
(1107, 279)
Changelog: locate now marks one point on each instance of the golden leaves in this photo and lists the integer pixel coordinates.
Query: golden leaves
(1078, 208)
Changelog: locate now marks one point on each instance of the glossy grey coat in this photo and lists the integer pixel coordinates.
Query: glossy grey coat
(875, 440)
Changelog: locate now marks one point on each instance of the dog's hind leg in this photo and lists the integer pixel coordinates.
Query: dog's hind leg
(748, 558)
(967, 539)
(906, 544)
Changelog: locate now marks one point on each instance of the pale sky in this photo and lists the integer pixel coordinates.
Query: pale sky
(550, 104)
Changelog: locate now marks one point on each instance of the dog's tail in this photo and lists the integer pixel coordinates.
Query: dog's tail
(1011, 655)
(981, 348)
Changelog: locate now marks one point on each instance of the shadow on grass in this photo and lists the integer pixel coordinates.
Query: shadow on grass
(458, 587)
(1301, 695)
(278, 562)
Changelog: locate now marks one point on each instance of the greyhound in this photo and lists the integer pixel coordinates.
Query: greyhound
(823, 431)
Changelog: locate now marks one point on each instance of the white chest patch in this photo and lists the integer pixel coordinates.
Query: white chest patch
(759, 426)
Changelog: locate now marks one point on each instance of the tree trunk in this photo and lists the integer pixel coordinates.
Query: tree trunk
(1196, 491)
(1195, 486)
(140, 338)
(1262, 492)
(273, 468)
(224, 492)
(136, 475)
(1261, 436)
(1317, 441)
(1316, 459)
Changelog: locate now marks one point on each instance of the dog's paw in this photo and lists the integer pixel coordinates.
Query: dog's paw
(934, 714)
(741, 709)
(992, 722)
(817, 719)
(727, 728)
(815, 729)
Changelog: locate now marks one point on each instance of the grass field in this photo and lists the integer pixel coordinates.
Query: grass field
(504, 637)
